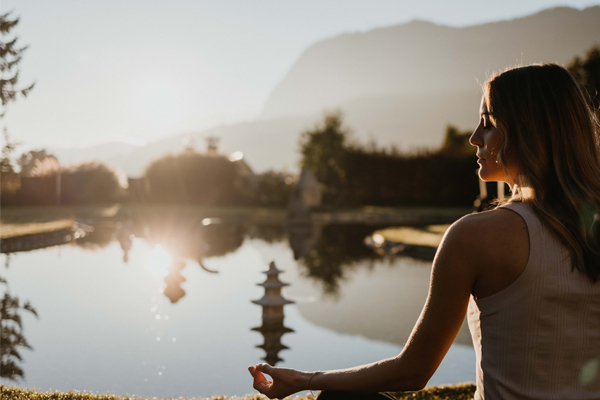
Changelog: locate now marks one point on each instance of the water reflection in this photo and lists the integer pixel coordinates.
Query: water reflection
(174, 279)
(125, 237)
(272, 327)
(325, 252)
(122, 341)
(12, 338)
(329, 252)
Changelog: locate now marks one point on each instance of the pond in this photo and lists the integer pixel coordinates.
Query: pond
(162, 306)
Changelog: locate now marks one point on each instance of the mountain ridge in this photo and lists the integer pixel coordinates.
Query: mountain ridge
(399, 58)
(398, 85)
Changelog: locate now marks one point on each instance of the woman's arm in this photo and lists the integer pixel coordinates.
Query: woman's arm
(455, 270)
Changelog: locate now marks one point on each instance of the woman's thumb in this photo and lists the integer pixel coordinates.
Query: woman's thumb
(266, 368)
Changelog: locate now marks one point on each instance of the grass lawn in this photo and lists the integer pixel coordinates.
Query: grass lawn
(454, 392)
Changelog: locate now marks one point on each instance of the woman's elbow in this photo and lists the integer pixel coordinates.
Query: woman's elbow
(412, 378)
(412, 385)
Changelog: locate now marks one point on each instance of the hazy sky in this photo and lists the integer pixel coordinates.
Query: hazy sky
(139, 70)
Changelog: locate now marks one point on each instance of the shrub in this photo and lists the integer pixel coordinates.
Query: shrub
(194, 178)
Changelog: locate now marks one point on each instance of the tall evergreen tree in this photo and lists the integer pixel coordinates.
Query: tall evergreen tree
(10, 57)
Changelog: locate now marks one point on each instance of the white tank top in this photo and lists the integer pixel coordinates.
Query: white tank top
(539, 338)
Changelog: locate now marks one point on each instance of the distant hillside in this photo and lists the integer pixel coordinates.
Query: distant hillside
(398, 85)
(266, 145)
(421, 57)
(101, 152)
(273, 143)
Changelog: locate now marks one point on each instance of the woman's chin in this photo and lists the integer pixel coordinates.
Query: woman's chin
(486, 176)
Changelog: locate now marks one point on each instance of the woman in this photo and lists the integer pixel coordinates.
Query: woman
(525, 272)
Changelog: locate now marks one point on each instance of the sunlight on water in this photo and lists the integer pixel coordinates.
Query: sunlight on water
(158, 260)
(378, 239)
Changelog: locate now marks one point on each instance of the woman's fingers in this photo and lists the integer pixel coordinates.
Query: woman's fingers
(278, 388)
(260, 381)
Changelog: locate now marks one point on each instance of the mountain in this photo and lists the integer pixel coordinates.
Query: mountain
(103, 152)
(398, 85)
(421, 57)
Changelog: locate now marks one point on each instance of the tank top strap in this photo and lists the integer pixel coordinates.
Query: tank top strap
(535, 262)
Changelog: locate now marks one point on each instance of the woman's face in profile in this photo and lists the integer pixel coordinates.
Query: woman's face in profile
(488, 139)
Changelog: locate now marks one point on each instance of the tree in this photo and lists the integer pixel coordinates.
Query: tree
(194, 178)
(11, 335)
(10, 57)
(91, 182)
(456, 143)
(272, 189)
(587, 73)
(7, 151)
(324, 153)
(29, 160)
(10, 181)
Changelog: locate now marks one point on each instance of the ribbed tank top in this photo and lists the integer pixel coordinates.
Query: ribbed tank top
(539, 338)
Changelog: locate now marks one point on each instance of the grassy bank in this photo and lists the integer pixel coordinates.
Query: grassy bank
(12, 230)
(454, 392)
(429, 236)
(33, 214)
(19, 221)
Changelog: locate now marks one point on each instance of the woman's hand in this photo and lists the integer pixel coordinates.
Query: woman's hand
(285, 381)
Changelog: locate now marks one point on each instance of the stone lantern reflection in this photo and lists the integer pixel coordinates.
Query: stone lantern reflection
(272, 327)
(174, 279)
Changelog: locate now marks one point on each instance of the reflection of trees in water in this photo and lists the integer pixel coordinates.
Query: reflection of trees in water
(270, 233)
(193, 238)
(326, 252)
(102, 235)
(12, 338)
(188, 236)
(337, 250)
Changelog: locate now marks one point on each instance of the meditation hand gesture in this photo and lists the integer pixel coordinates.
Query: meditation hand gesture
(285, 381)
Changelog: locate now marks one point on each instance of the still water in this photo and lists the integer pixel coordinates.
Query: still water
(163, 308)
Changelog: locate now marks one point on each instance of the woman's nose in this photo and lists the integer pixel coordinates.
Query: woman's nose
(475, 138)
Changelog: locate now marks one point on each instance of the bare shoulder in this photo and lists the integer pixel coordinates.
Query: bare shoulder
(493, 245)
(490, 235)
(488, 225)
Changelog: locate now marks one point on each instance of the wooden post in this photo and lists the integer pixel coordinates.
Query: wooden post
(58, 187)
(501, 190)
(482, 189)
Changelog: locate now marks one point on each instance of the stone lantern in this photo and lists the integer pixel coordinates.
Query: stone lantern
(272, 327)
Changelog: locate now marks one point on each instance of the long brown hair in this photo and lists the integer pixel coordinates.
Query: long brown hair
(552, 137)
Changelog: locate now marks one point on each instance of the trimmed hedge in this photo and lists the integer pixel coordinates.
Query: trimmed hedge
(453, 392)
